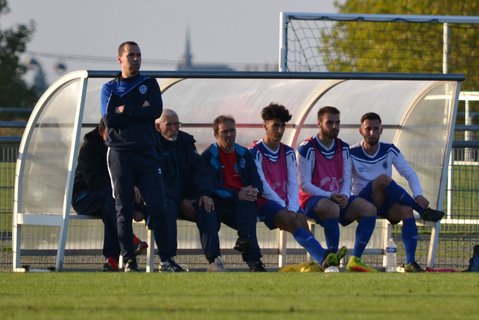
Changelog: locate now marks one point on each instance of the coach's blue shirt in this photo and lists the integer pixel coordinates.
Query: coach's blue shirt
(135, 127)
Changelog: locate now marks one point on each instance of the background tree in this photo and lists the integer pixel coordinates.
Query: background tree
(401, 46)
(14, 91)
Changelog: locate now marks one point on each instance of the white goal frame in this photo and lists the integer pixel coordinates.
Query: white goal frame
(286, 17)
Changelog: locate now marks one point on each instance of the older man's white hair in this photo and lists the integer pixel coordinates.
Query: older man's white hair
(166, 113)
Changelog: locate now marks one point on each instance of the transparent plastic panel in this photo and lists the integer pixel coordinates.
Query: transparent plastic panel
(424, 135)
(199, 101)
(389, 98)
(92, 113)
(46, 156)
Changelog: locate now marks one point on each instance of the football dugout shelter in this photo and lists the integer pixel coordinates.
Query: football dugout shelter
(418, 113)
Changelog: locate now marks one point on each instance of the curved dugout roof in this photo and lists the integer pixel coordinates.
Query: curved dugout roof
(418, 113)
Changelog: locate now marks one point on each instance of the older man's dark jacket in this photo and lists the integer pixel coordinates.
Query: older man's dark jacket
(184, 171)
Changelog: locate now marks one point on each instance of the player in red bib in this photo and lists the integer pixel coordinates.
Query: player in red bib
(278, 206)
(325, 188)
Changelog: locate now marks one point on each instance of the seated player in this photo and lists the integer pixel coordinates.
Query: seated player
(325, 194)
(372, 170)
(278, 206)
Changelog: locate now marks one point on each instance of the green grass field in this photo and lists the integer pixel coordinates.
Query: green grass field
(237, 295)
(7, 182)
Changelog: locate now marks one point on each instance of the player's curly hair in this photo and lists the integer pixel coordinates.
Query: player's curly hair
(275, 111)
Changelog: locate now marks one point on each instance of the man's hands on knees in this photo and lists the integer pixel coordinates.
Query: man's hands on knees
(248, 193)
(340, 199)
(207, 203)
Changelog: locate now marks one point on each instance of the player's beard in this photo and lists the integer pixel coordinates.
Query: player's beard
(372, 141)
(331, 134)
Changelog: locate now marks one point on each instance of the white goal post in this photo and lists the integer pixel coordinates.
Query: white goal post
(300, 35)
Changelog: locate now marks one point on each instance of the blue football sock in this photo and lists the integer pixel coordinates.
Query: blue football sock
(409, 238)
(364, 230)
(307, 241)
(395, 193)
(331, 233)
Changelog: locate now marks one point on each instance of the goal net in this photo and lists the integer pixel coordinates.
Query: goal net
(380, 43)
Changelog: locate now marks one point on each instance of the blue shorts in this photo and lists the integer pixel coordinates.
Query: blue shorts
(309, 209)
(267, 212)
(367, 194)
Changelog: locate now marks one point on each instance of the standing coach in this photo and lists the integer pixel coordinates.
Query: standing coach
(130, 103)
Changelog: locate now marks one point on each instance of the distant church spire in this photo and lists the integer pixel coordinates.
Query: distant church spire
(186, 60)
(187, 56)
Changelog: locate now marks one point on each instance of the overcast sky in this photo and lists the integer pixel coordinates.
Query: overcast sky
(222, 31)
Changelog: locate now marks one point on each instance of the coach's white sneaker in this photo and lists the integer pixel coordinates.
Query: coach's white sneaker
(216, 266)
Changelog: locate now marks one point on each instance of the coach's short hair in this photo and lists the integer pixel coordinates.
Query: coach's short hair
(121, 47)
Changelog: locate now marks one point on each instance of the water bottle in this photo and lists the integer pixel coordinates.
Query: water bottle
(391, 251)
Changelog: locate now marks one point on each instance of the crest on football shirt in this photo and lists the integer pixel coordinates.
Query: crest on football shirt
(143, 89)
